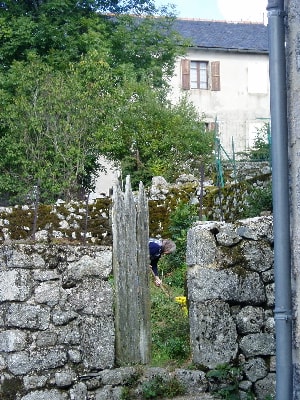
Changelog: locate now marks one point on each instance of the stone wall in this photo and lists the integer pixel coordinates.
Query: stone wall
(56, 317)
(78, 222)
(57, 334)
(292, 22)
(231, 299)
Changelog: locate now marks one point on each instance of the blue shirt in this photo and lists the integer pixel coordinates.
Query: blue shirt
(155, 252)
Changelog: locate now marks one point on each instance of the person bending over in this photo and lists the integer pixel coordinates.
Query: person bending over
(157, 248)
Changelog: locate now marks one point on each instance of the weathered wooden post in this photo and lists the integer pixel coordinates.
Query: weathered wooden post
(131, 275)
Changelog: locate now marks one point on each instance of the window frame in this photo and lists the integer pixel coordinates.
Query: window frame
(212, 75)
(200, 69)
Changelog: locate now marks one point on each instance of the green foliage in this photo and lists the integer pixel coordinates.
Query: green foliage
(158, 387)
(44, 103)
(174, 277)
(224, 380)
(68, 76)
(181, 219)
(259, 200)
(152, 136)
(261, 150)
(152, 36)
(131, 383)
(170, 330)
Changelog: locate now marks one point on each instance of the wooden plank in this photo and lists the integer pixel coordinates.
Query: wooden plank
(130, 265)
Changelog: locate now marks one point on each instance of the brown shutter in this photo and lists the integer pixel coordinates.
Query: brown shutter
(215, 76)
(185, 74)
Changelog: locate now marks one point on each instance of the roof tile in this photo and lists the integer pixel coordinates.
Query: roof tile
(224, 35)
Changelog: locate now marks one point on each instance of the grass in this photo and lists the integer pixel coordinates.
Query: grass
(170, 327)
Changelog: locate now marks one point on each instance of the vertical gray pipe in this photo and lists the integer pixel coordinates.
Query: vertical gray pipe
(281, 212)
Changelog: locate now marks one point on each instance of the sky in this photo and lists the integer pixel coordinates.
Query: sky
(228, 10)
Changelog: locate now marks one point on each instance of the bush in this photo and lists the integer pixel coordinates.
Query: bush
(181, 219)
(224, 380)
(157, 387)
(261, 150)
(258, 201)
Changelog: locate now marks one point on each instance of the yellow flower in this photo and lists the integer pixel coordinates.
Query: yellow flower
(182, 301)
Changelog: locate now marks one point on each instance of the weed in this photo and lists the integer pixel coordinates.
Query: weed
(224, 381)
(157, 387)
(170, 330)
(126, 394)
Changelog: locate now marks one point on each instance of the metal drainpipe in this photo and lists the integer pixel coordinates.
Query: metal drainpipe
(281, 212)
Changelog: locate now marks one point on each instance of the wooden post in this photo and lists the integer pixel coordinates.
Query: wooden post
(131, 275)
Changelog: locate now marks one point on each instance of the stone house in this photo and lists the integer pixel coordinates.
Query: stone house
(225, 73)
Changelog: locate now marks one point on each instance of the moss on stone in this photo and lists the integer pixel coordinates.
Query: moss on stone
(227, 204)
(10, 388)
(20, 223)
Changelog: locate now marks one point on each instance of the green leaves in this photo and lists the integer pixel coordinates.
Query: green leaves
(53, 118)
(153, 137)
(76, 84)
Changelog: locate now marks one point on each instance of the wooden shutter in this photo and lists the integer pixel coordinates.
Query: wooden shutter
(215, 76)
(185, 74)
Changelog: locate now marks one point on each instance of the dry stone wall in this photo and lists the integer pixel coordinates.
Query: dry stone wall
(231, 299)
(56, 316)
(81, 223)
(57, 333)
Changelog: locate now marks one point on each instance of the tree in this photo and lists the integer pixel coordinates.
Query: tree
(51, 121)
(261, 149)
(77, 83)
(61, 31)
(150, 136)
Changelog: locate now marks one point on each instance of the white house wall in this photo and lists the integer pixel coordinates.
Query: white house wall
(242, 104)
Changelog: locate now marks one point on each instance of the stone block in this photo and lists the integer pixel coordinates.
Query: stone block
(28, 316)
(92, 297)
(34, 381)
(227, 284)
(47, 293)
(255, 369)
(15, 285)
(19, 363)
(46, 395)
(97, 342)
(23, 256)
(193, 381)
(250, 320)
(78, 392)
(265, 387)
(258, 344)
(64, 379)
(12, 340)
(201, 245)
(258, 255)
(213, 333)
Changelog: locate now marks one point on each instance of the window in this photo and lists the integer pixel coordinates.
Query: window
(200, 75)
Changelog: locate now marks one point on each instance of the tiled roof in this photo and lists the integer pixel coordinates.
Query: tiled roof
(224, 35)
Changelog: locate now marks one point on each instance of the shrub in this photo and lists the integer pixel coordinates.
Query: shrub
(259, 200)
(224, 381)
(157, 387)
(261, 151)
